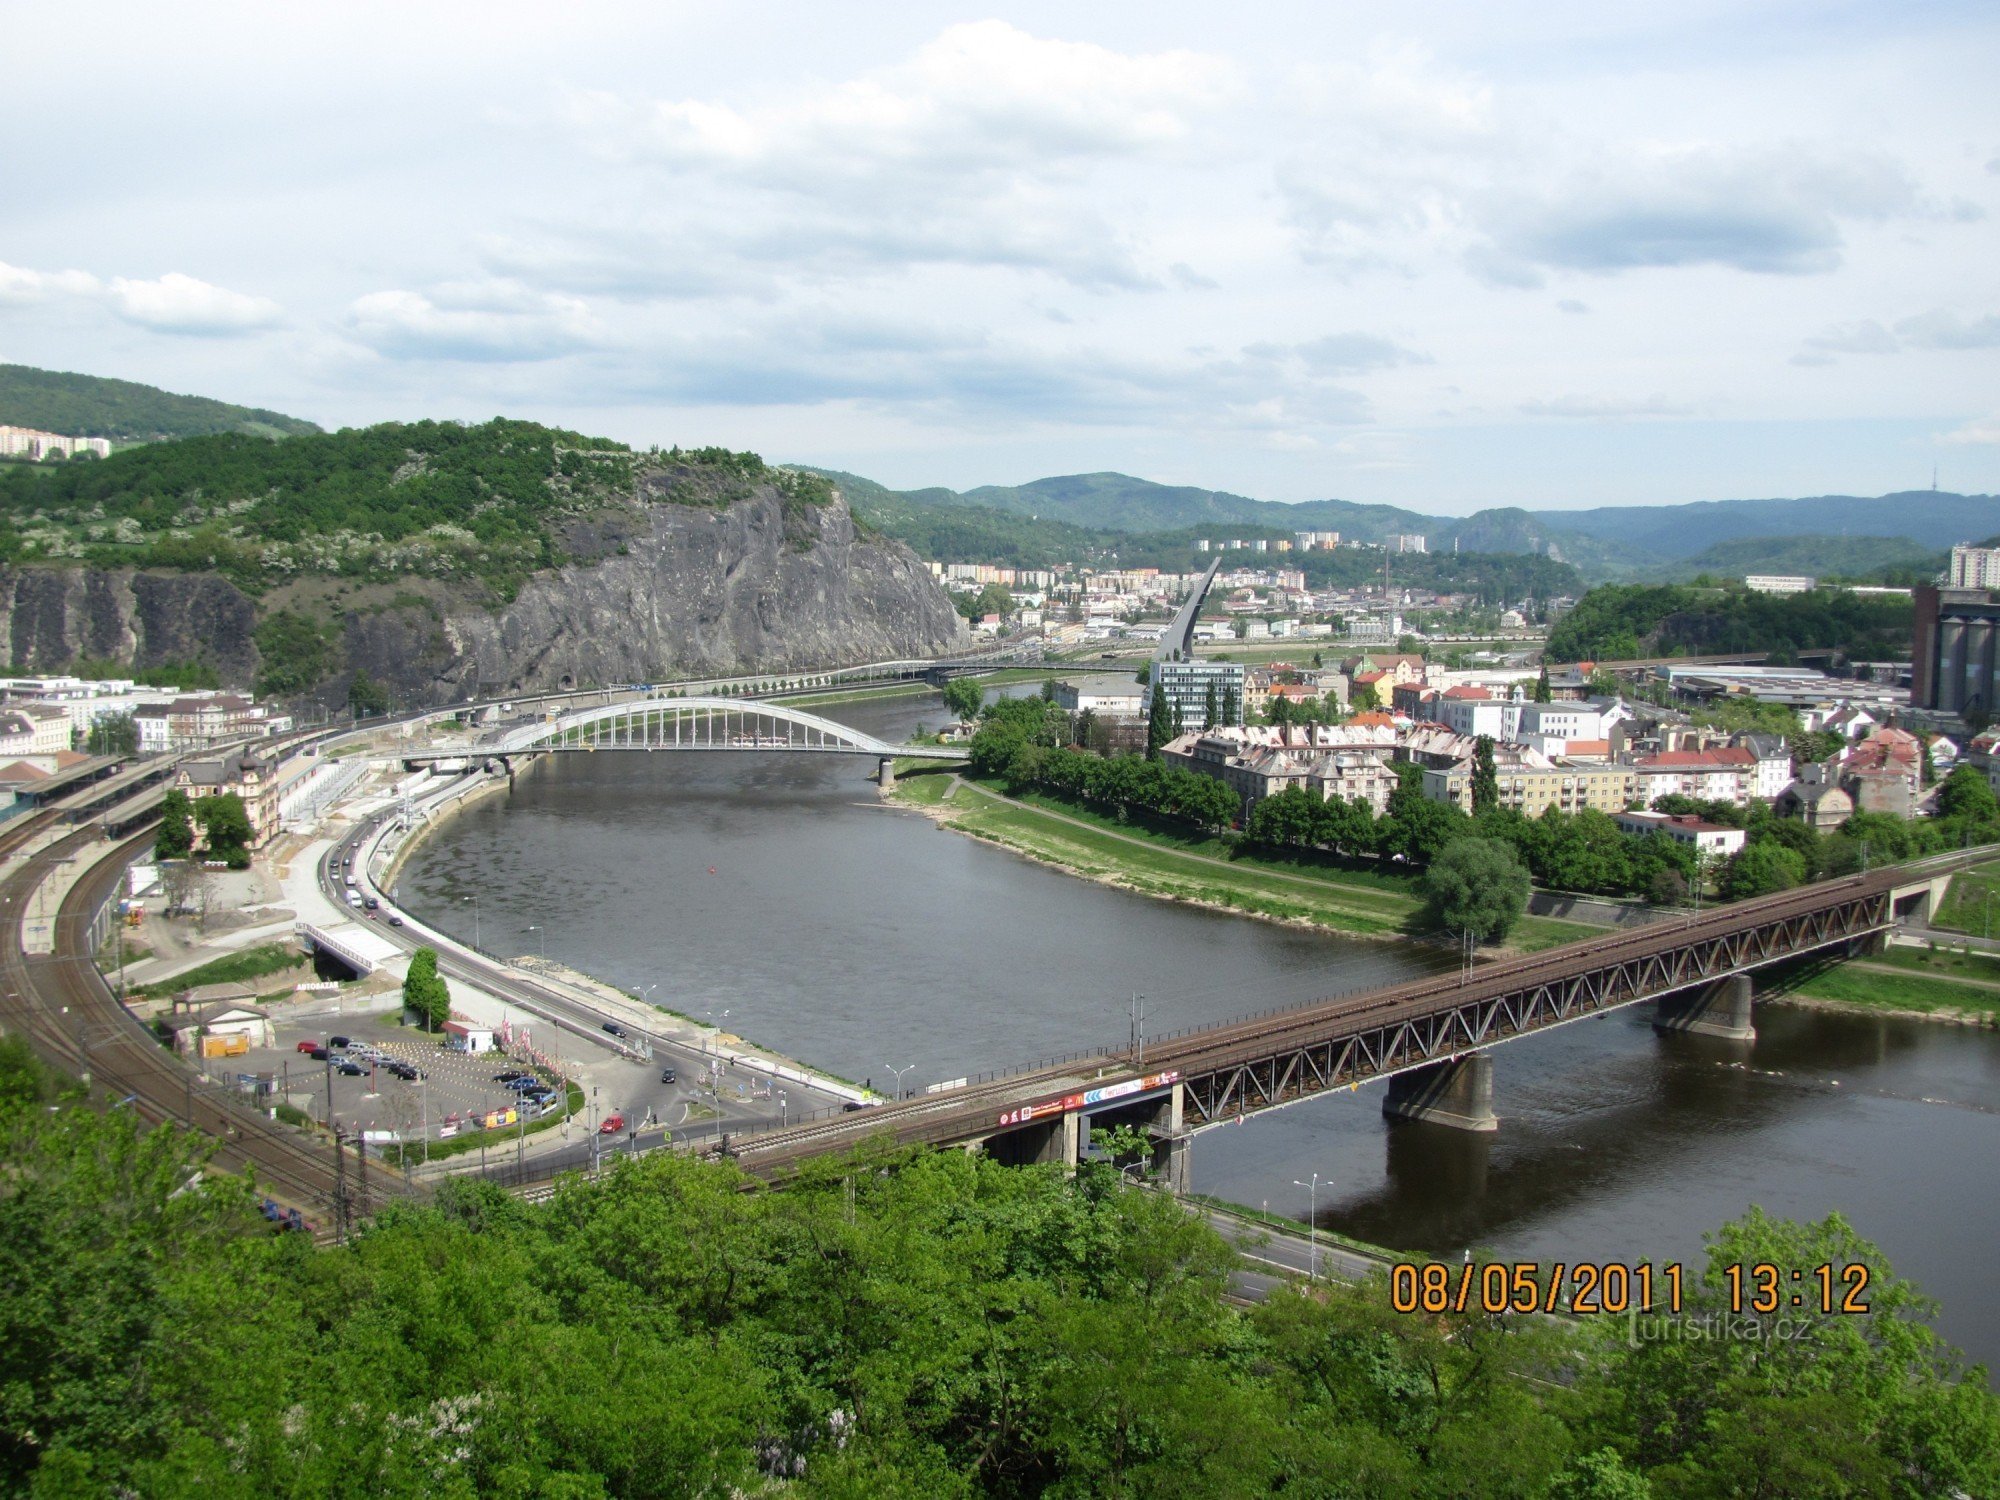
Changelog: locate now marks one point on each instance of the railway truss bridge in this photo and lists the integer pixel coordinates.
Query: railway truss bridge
(1430, 1039)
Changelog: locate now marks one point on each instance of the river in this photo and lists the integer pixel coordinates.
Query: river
(775, 894)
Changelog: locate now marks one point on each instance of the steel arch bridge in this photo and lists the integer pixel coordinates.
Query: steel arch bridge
(703, 724)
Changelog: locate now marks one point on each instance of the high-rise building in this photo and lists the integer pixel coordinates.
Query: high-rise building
(1406, 543)
(1187, 683)
(1975, 567)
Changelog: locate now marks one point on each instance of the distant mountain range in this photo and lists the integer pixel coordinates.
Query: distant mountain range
(124, 410)
(1827, 534)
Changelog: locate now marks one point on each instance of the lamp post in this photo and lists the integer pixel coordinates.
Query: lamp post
(715, 1025)
(899, 1072)
(1138, 1031)
(542, 940)
(475, 919)
(646, 990)
(1312, 1225)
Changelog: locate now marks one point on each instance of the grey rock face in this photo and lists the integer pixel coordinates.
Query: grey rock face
(664, 590)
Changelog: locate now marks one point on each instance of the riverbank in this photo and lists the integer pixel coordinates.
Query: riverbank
(1192, 871)
(1913, 984)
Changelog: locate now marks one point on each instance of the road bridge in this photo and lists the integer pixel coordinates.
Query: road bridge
(1431, 1038)
(669, 724)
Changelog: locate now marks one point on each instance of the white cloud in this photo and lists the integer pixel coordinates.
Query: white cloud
(1980, 430)
(1865, 337)
(174, 303)
(966, 153)
(482, 322)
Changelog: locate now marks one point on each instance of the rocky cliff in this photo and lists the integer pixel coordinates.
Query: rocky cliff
(655, 590)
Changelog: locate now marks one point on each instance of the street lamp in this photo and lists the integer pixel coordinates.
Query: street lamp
(475, 918)
(715, 1024)
(542, 939)
(1312, 1225)
(647, 990)
(899, 1072)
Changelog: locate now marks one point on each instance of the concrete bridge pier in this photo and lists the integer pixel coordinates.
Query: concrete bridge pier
(1173, 1147)
(885, 774)
(1720, 1009)
(1457, 1092)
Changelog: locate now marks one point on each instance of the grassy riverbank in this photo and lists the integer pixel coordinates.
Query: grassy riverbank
(1185, 867)
(1944, 984)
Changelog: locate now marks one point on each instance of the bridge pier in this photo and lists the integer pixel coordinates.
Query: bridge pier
(1457, 1092)
(885, 774)
(1719, 1009)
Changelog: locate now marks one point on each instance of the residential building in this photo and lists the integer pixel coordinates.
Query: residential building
(1531, 783)
(189, 723)
(1710, 840)
(1187, 687)
(1404, 543)
(32, 442)
(1884, 773)
(1778, 583)
(1975, 567)
(1399, 666)
(1721, 775)
(1773, 773)
(1328, 762)
(1816, 798)
(247, 775)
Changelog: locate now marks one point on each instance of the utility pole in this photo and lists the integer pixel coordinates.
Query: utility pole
(340, 1183)
(1312, 1225)
(361, 1170)
(1137, 1036)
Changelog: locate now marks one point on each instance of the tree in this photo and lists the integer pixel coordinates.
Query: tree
(176, 837)
(1232, 708)
(1967, 794)
(1485, 780)
(1542, 693)
(113, 734)
(1475, 886)
(225, 826)
(1159, 722)
(1760, 870)
(424, 989)
(1211, 706)
(366, 697)
(294, 654)
(1362, 698)
(1666, 888)
(964, 696)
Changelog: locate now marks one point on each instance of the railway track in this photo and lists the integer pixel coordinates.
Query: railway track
(61, 1004)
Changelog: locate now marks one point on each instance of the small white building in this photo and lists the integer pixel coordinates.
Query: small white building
(1710, 840)
(464, 1036)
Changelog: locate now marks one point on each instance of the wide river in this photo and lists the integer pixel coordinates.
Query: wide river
(861, 938)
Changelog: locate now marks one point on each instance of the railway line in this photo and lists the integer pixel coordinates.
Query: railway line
(61, 1004)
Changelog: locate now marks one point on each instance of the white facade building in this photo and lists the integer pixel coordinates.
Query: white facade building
(1975, 567)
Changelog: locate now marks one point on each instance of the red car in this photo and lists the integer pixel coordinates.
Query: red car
(308, 1046)
(612, 1125)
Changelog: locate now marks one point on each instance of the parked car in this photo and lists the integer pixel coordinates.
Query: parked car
(612, 1125)
(670, 1075)
(309, 1046)
(341, 1042)
(510, 1075)
(349, 1069)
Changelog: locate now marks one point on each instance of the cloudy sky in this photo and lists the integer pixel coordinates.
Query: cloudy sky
(1415, 253)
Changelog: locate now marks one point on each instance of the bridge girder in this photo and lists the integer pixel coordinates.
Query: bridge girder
(1346, 1056)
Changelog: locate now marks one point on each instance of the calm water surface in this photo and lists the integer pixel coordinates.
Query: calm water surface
(860, 939)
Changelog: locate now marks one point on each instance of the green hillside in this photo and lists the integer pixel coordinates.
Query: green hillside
(125, 411)
(1649, 533)
(1812, 556)
(1119, 502)
(1622, 621)
(420, 499)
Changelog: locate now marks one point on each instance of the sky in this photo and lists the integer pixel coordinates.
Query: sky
(1444, 256)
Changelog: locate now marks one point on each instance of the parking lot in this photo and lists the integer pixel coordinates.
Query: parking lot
(459, 1092)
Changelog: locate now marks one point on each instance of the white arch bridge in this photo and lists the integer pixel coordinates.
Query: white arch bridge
(695, 724)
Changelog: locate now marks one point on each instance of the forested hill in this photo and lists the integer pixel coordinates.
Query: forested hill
(425, 499)
(124, 410)
(1620, 622)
